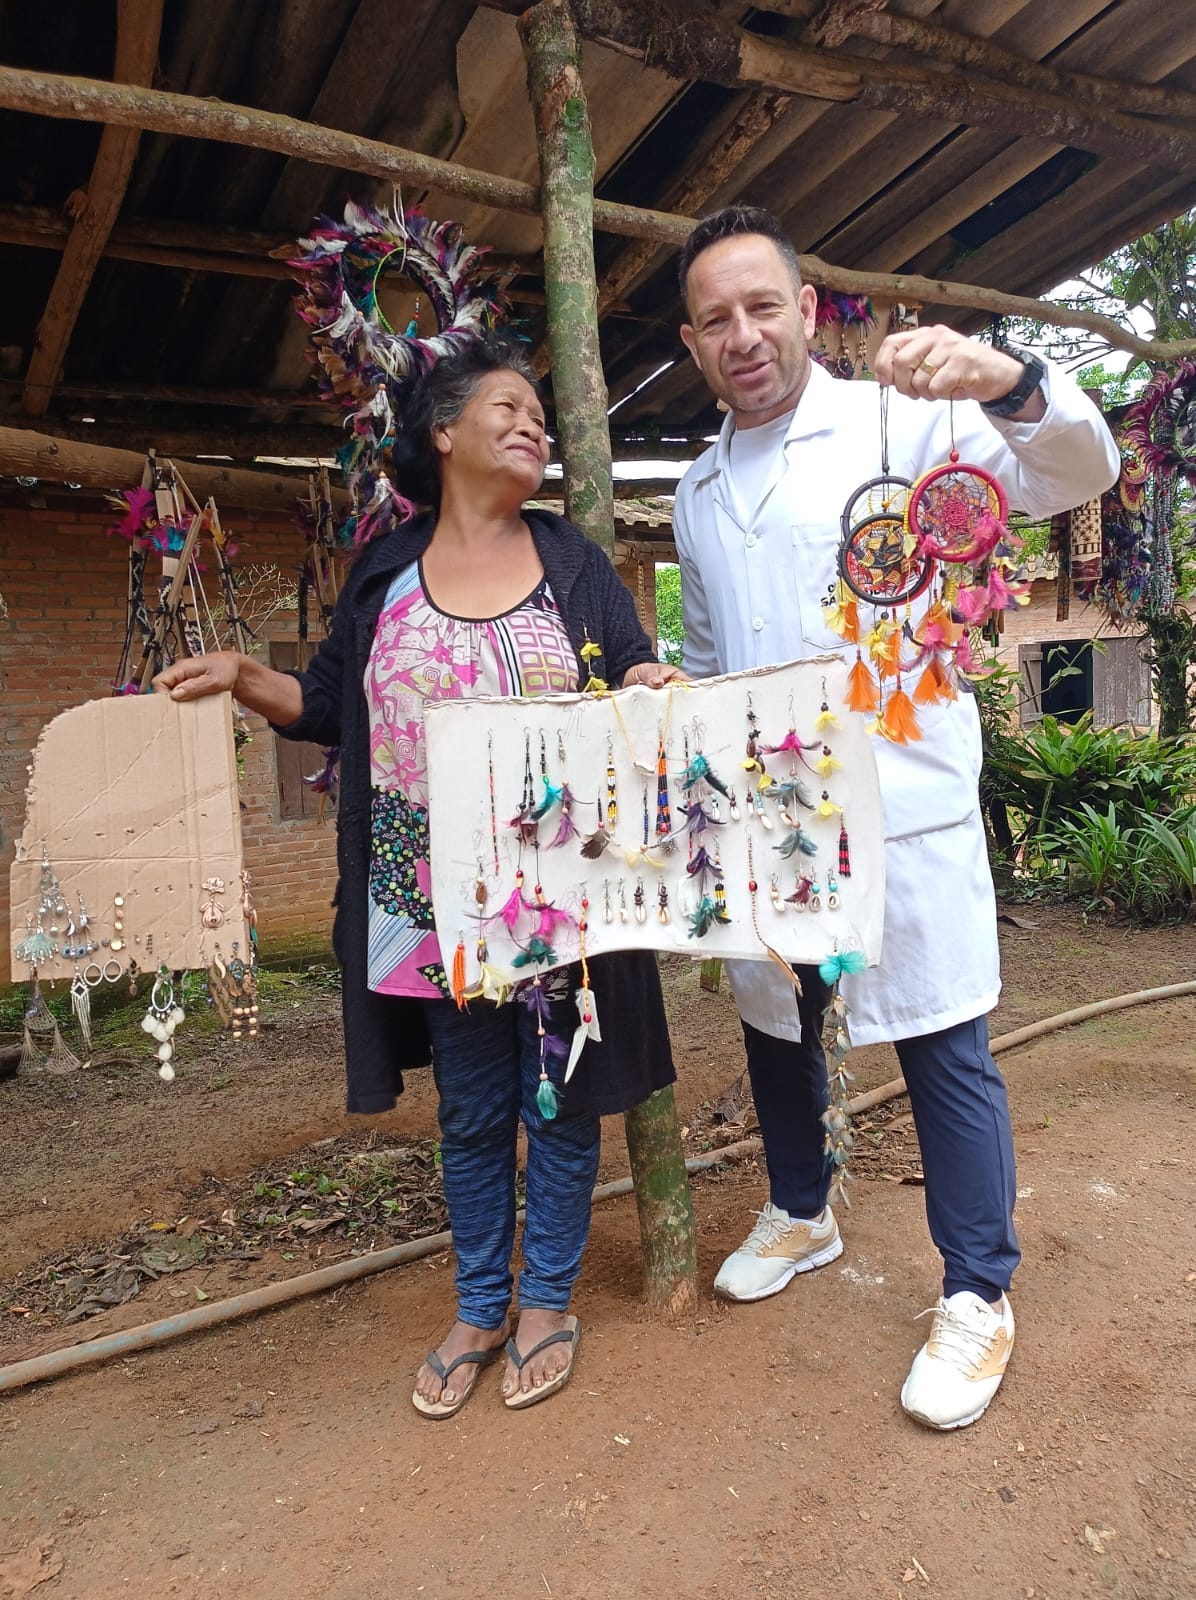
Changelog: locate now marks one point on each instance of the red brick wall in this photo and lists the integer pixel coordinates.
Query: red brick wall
(64, 581)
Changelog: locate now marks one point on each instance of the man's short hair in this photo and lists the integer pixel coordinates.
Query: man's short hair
(730, 223)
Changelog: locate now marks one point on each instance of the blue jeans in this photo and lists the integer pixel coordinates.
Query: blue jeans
(961, 1112)
(486, 1063)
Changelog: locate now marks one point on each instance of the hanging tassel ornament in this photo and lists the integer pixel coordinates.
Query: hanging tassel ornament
(844, 852)
(81, 1006)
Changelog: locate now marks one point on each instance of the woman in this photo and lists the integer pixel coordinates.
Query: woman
(454, 602)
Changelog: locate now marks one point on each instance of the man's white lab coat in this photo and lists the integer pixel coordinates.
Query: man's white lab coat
(753, 587)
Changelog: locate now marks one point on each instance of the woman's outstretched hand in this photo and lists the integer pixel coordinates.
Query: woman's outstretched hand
(195, 676)
(274, 695)
(653, 675)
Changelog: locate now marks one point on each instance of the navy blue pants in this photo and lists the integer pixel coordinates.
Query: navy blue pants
(961, 1112)
(486, 1063)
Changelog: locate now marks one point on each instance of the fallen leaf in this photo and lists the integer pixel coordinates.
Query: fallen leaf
(1016, 922)
(1095, 1538)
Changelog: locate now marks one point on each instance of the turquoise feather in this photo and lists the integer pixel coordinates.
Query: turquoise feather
(843, 963)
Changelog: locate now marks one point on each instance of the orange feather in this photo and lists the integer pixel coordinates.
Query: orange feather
(861, 688)
(458, 980)
(900, 718)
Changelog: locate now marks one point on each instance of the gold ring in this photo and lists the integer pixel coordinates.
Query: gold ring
(927, 366)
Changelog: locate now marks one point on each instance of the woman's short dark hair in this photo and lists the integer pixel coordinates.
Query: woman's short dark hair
(730, 223)
(438, 398)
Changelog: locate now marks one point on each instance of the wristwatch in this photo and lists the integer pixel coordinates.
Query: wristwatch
(1033, 372)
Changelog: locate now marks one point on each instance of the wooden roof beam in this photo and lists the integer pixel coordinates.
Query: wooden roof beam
(718, 51)
(138, 30)
(24, 452)
(248, 255)
(948, 48)
(242, 445)
(90, 100)
(759, 112)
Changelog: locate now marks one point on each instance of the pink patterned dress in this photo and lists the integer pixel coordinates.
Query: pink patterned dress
(421, 654)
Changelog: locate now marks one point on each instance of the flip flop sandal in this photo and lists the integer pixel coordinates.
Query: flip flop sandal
(519, 1400)
(439, 1409)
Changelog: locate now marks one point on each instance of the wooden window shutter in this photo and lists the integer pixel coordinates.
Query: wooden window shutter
(294, 761)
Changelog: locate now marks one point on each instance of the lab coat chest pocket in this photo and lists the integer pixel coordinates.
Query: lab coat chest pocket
(815, 569)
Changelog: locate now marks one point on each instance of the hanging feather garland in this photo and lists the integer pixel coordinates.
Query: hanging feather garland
(362, 363)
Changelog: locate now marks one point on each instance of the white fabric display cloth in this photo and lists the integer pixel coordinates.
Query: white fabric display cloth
(752, 593)
(463, 736)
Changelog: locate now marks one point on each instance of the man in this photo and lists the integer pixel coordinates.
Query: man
(757, 531)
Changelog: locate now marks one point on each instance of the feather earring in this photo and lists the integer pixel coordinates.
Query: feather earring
(458, 978)
(587, 1007)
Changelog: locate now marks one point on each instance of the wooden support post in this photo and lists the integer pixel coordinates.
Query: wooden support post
(566, 150)
(553, 54)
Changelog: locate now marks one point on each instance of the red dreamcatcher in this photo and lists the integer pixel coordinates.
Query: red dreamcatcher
(944, 535)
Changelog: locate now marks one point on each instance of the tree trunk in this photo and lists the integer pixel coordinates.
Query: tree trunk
(553, 55)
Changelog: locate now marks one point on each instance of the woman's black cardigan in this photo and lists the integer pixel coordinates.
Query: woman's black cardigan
(384, 1034)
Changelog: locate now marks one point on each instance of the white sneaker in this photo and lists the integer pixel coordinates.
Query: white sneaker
(959, 1368)
(778, 1247)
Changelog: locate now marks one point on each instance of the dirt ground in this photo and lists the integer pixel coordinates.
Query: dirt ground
(759, 1451)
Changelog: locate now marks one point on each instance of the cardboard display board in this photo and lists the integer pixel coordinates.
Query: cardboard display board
(464, 736)
(135, 797)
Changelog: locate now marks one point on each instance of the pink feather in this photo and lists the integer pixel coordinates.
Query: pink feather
(965, 661)
(972, 604)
